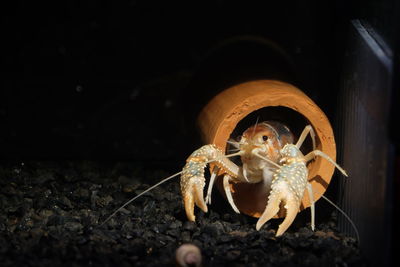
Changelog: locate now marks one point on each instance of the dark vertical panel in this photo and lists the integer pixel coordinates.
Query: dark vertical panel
(364, 152)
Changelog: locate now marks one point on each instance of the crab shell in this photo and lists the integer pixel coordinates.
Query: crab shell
(278, 135)
(221, 115)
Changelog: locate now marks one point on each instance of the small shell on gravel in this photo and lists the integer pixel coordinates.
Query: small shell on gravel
(188, 255)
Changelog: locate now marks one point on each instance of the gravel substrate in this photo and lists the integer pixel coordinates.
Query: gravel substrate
(51, 215)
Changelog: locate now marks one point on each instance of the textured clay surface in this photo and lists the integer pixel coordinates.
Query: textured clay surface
(222, 114)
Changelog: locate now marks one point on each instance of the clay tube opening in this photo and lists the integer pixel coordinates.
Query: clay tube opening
(238, 107)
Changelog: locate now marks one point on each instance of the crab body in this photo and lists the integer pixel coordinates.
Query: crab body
(269, 158)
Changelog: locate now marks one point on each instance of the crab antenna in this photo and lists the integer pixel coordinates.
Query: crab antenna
(234, 143)
(226, 156)
(345, 215)
(144, 192)
(268, 160)
(255, 126)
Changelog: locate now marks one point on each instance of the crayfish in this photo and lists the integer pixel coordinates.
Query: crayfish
(269, 158)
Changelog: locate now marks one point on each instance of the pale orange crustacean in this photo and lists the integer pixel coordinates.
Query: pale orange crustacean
(273, 170)
(267, 159)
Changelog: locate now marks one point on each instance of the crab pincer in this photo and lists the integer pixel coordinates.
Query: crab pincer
(288, 187)
(192, 177)
(192, 185)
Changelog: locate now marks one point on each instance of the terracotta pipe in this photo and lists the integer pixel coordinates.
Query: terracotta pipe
(222, 114)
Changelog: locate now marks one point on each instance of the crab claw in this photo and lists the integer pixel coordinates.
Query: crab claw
(192, 185)
(192, 177)
(280, 193)
(192, 193)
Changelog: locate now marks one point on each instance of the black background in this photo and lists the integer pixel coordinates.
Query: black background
(124, 80)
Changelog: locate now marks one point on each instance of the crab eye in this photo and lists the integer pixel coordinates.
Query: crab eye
(265, 138)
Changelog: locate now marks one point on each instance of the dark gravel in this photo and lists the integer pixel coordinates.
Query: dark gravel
(50, 215)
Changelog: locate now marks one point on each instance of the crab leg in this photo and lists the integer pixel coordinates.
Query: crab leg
(307, 130)
(211, 184)
(315, 153)
(228, 192)
(192, 178)
(312, 206)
